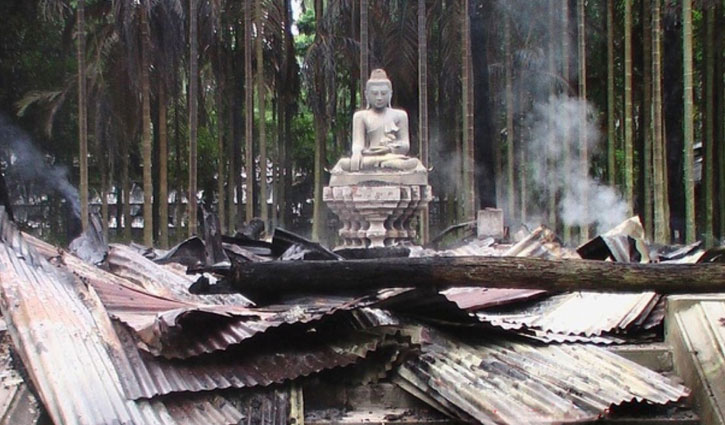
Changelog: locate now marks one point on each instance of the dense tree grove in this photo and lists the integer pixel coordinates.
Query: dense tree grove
(570, 113)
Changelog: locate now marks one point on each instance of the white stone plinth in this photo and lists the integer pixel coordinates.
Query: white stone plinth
(490, 223)
(377, 215)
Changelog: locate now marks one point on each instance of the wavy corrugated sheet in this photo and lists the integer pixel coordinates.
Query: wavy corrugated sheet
(161, 321)
(145, 376)
(515, 383)
(63, 335)
(163, 281)
(473, 299)
(577, 313)
(207, 409)
(60, 343)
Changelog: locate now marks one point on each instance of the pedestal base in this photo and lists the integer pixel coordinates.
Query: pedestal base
(377, 215)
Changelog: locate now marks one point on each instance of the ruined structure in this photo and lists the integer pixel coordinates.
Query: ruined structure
(378, 191)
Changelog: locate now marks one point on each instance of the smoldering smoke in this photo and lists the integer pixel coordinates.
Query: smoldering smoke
(27, 165)
(557, 132)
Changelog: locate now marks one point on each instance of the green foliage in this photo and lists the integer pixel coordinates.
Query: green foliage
(38, 75)
(303, 133)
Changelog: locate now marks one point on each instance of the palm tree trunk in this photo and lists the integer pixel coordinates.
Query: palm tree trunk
(318, 221)
(82, 114)
(232, 181)
(709, 152)
(469, 188)
(281, 200)
(104, 168)
(287, 164)
(720, 139)
(221, 172)
(648, 127)
(628, 121)
(126, 183)
(285, 116)
(661, 220)
(178, 184)
(148, 216)
(193, 114)
(261, 89)
(510, 151)
(688, 122)
(248, 112)
(566, 229)
(422, 106)
(583, 141)
(163, 171)
(521, 150)
(364, 49)
(611, 111)
(551, 161)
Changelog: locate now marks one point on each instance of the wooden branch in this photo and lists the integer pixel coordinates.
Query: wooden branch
(311, 277)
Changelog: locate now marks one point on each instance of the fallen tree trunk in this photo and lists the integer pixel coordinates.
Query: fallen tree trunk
(311, 277)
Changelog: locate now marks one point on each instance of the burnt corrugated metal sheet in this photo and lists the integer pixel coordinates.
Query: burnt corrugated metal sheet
(144, 376)
(50, 325)
(624, 243)
(473, 299)
(170, 328)
(657, 316)
(65, 339)
(209, 409)
(577, 313)
(515, 383)
(164, 281)
(541, 243)
(551, 337)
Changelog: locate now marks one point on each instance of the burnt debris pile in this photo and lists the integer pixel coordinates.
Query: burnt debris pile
(128, 334)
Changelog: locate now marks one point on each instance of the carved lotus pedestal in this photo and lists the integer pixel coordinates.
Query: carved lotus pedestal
(377, 213)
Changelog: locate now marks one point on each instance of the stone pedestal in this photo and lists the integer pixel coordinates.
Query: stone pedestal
(376, 213)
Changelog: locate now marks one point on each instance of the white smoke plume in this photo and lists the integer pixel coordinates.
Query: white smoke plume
(27, 165)
(555, 136)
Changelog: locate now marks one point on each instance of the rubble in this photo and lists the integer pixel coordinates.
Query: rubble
(129, 343)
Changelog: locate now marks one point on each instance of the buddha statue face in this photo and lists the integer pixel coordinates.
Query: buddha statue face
(378, 94)
(378, 90)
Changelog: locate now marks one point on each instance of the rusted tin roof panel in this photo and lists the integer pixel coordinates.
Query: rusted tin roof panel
(144, 376)
(175, 329)
(577, 313)
(57, 337)
(168, 282)
(624, 243)
(656, 316)
(514, 383)
(168, 324)
(473, 299)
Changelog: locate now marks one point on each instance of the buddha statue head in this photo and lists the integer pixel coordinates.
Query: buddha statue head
(378, 90)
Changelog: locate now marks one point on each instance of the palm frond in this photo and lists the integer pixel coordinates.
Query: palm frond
(50, 101)
(54, 9)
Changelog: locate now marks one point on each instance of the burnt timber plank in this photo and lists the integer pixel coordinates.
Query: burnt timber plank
(493, 272)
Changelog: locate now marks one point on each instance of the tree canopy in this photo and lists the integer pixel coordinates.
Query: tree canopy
(569, 113)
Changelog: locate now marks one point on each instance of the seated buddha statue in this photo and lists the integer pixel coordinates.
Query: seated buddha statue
(380, 138)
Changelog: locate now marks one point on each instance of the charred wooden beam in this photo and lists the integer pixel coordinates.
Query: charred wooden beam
(311, 277)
